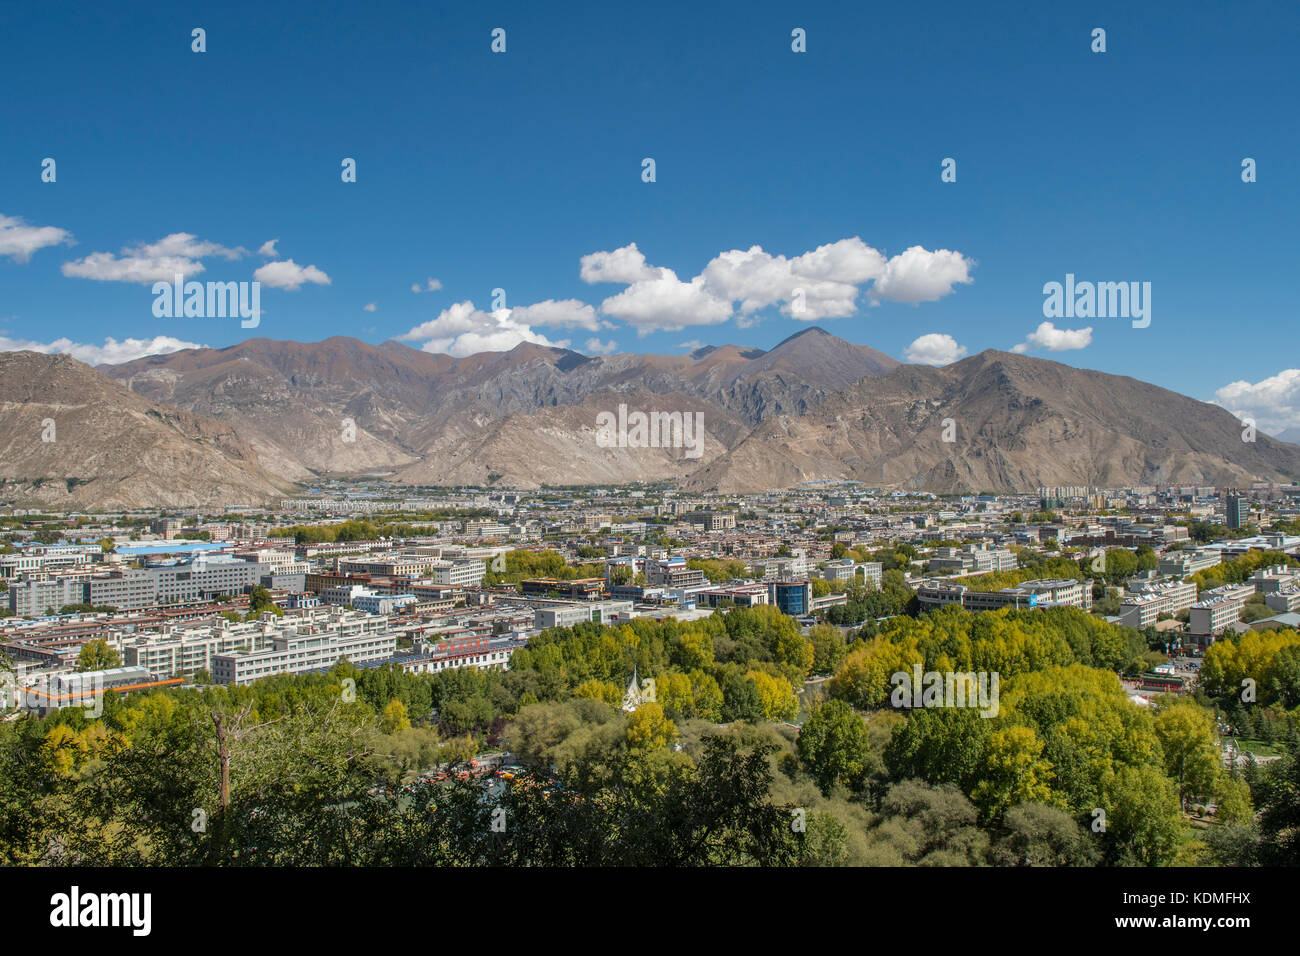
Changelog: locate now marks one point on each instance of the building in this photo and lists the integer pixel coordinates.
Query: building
(1216, 610)
(1143, 607)
(791, 597)
(733, 595)
(578, 588)
(34, 598)
(569, 613)
(309, 644)
(201, 578)
(481, 652)
(673, 573)
(460, 574)
(711, 520)
(1068, 591)
(1284, 601)
(1237, 510)
(1183, 563)
(848, 571)
(940, 594)
(1274, 579)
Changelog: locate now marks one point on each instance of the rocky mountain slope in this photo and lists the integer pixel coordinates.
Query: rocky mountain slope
(1001, 421)
(213, 426)
(342, 406)
(72, 438)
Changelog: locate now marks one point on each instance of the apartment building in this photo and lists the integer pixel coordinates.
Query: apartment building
(309, 644)
(1182, 563)
(461, 574)
(797, 566)
(199, 579)
(972, 559)
(1284, 601)
(672, 573)
(569, 613)
(1143, 607)
(711, 520)
(34, 598)
(848, 571)
(1217, 609)
(1274, 579)
(47, 561)
(182, 652)
(1068, 591)
(481, 652)
(387, 566)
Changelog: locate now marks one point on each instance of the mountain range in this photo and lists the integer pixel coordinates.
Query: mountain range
(245, 424)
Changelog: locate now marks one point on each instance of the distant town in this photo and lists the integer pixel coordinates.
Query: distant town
(375, 576)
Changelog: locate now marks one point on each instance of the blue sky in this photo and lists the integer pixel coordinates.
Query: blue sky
(486, 171)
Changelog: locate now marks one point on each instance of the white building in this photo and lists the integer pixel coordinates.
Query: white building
(461, 574)
(309, 644)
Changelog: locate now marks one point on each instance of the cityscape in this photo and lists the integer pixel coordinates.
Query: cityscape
(654, 439)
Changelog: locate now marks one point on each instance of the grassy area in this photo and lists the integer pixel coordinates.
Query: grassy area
(1258, 747)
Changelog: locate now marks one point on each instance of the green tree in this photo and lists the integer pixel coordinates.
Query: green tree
(97, 655)
(833, 746)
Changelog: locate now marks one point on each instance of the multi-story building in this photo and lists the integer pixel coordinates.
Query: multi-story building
(711, 520)
(33, 598)
(1143, 607)
(1069, 591)
(481, 652)
(673, 573)
(461, 574)
(1216, 610)
(44, 562)
(568, 613)
(199, 579)
(1284, 601)
(797, 566)
(1273, 579)
(847, 570)
(308, 644)
(1237, 511)
(1182, 563)
(735, 595)
(791, 597)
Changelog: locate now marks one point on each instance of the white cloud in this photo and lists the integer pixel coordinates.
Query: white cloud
(624, 266)
(1274, 402)
(371, 307)
(666, 302)
(565, 313)
(161, 261)
(431, 285)
(1048, 336)
(461, 329)
(267, 249)
(597, 347)
(111, 352)
(691, 346)
(934, 348)
(821, 284)
(918, 275)
(287, 274)
(18, 241)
